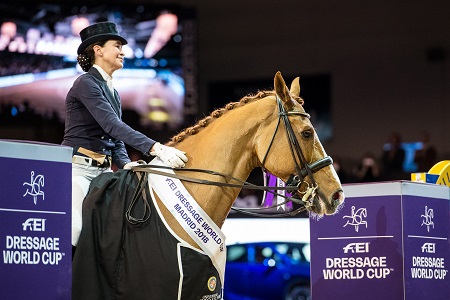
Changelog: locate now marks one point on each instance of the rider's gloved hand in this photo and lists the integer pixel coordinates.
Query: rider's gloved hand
(132, 164)
(169, 155)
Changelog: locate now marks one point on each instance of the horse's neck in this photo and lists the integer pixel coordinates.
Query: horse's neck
(224, 146)
(224, 149)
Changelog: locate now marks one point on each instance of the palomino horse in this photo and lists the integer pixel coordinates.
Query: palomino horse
(270, 130)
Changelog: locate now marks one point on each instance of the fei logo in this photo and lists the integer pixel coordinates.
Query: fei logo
(356, 248)
(427, 218)
(34, 224)
(34, 187)
(429, 248)
(356, 218)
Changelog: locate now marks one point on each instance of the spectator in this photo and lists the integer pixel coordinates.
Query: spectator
(426, 157)
(342, 174)
(392, 158)
(368, 169)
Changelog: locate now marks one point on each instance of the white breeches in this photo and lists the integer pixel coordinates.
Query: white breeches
(82, 176)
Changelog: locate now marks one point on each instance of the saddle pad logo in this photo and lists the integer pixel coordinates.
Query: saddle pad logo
(212, 282)
(33, 188)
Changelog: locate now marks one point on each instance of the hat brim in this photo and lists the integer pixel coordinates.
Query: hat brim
(99, 37)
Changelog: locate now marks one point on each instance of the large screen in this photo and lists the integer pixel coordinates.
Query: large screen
(38, 45)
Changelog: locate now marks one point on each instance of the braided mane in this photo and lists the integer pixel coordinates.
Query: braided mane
(221, 111)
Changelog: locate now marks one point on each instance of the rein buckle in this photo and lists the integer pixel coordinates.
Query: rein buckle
(309, 195)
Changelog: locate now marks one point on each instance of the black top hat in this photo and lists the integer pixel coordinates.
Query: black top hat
(97, 32)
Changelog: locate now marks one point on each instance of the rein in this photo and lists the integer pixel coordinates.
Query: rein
(244, 185)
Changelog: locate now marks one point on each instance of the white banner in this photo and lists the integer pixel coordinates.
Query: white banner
(191, 217)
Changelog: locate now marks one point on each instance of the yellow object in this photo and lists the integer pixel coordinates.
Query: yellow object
(424, 177)
(418, 177)
(443, 170)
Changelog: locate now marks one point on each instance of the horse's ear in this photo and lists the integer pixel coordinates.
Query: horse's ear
(295, 87)
(282, 91)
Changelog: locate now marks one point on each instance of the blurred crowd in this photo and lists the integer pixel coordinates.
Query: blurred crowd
(23, 63)
(393, 163)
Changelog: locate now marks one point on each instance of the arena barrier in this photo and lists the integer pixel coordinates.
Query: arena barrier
(35, 220)
(390, 241)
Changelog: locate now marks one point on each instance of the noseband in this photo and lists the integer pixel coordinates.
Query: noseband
(302, 168)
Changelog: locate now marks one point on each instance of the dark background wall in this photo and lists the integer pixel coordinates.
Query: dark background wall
(388, 61)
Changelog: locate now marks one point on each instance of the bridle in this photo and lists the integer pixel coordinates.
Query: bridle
(302, 170)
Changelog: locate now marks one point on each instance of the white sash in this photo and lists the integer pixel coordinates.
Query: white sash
(281, 201)
(191, 217)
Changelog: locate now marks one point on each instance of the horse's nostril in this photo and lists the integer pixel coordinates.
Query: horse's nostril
(338, 197)
(336, 203)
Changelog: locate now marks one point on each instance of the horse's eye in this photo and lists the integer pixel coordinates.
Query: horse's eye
(307, 134)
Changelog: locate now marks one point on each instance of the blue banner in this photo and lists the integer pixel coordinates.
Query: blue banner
(35, 221)
(390, 241)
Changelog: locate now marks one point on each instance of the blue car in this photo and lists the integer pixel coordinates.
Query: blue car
(267, 271)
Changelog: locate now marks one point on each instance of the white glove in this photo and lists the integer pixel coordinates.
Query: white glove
(169, 155)
(132, 164)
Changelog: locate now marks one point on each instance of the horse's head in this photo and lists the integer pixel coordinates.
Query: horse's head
(290, 149)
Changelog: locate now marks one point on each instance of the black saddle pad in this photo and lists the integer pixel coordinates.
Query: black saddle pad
(118, 257)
